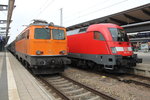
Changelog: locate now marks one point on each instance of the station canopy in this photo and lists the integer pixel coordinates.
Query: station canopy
(136, 15)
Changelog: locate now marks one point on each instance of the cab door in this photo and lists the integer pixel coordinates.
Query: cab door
(41, 41)
(100, 44)
(59, 41)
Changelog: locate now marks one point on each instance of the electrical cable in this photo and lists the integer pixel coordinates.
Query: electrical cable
(89, 13)
(48, 4)
(93, 6)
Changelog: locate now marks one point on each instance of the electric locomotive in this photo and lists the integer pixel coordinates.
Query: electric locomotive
(101, 46)
(42, 47)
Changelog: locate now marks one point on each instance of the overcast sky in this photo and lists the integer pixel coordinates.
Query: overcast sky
(74, 11)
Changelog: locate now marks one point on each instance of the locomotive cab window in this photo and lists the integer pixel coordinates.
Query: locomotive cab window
(42, 33)
(58, 34)
(27, 34)
(82, 30)
(118, 34)
(98, 36)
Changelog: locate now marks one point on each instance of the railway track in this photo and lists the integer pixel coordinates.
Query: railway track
(130, 78)
(69, 89)
(127, 78)
(138, 80)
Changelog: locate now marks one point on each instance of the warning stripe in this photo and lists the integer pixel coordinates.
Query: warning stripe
(12, 88)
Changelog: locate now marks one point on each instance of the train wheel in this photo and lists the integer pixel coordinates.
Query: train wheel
(26, 65)
(91, 65)
(98, 67)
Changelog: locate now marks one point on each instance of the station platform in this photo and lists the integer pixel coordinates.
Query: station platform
(16, 83)
(143, 69)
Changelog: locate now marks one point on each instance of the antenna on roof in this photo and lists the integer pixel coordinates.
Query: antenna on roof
(51, 24)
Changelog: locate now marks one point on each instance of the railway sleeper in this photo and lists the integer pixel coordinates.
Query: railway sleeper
(63, 85)
(59, 83)
(80, 95)
(68, 88)
(55, 78)
(95, 98)
(58, 80)
(74, 91)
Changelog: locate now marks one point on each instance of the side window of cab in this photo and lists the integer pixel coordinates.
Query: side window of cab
(98, 36)
(27, 34)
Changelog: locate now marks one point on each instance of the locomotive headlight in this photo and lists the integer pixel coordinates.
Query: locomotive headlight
(117, 49)
(129, 48)
(38, 52)
(63, 52)
(113, 49)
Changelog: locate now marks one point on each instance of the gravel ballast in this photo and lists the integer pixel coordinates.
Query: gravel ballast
(109, 86)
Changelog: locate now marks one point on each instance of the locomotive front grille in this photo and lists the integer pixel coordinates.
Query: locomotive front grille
(38, 61)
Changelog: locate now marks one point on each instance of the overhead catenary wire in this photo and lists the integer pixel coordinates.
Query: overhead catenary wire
(93, 6)
(43, 4)
(42, 9)
(46, 6)
(89, 13)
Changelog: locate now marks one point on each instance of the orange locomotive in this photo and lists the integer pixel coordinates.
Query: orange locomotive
(42, 47)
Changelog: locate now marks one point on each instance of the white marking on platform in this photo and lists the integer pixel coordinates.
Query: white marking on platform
(12, 88)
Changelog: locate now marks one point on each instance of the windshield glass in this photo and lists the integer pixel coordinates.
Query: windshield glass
(58, 34)
(42, 33)
(118, 34)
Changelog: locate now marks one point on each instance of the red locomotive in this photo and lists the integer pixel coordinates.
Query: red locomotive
(101, 46)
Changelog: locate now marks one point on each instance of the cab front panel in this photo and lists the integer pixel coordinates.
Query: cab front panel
(48, 46)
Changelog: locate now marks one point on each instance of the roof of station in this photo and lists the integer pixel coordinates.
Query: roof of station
(4, 30)
(131, 16)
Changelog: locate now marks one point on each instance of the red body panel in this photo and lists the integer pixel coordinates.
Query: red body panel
(84, 43)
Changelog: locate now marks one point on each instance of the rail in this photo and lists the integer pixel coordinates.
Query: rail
(69, 89)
